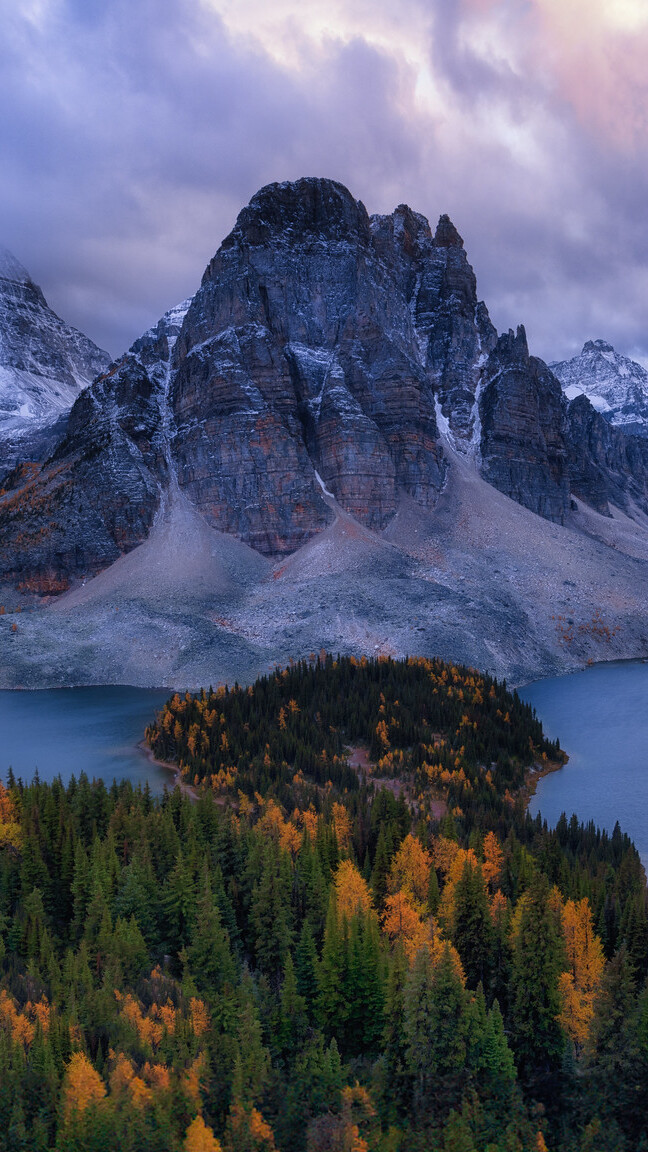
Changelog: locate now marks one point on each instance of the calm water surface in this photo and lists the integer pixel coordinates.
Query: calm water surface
(600, 717)
(67, 731)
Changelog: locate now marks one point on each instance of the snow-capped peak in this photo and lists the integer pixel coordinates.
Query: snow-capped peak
(12, 269)
(615, 385)
(44, 363)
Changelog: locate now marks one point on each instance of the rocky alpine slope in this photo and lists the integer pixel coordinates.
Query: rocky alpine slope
(44, 364)
(329, 445)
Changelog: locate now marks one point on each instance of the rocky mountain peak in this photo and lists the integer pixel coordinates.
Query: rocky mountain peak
(311, 209)
(514, 345)
(11, 269)
(446, 235)
(596, 346)
(44, 363)
(615, 385)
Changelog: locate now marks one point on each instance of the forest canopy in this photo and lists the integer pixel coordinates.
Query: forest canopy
(343, 932)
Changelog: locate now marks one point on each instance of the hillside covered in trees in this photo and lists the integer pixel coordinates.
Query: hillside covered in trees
(344, 933)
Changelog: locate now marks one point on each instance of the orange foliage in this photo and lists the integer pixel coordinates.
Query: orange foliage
(200, 1138)
(356, 1107)
(310, 820)
(342, 825)
(124, 1081)
(273, 824)
(351, 890)
(10, 830)
(199, 1016)
(579, 985)
(410, 870)
(150, 1026)
(82, 1086)
(499, 908)
(443, 853)
(250, 1130)
(493, 860)
(401, 921)
(22, 1025)
(158, 1076)
(192, 1080)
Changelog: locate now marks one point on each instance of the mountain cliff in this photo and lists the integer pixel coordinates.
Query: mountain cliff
(334, 404)
(44, 364)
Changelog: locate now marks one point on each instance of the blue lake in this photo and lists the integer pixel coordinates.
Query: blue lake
(66, 731)
(600, 717)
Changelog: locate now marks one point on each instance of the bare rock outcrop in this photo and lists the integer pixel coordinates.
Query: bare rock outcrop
(524, 428)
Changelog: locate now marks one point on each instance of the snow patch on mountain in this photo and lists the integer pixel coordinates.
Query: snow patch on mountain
(44, 363)
(616, 386)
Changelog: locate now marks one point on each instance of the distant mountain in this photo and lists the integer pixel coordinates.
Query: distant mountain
(616, 386)
(44, 363)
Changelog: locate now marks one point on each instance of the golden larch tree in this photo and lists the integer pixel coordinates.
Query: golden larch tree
(200, 1138)
(351, 891)
(82, 1086)
(410, 870)
(580, 983)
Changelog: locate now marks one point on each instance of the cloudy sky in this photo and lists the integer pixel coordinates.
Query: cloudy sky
(133, 131)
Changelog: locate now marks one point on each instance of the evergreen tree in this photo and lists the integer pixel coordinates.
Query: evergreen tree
(209, 954)
(535, 1002)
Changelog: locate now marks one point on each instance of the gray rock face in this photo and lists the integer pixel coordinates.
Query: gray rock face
(96, 495)
(606, 466)
(523, 429)
(300, 354)
(44, 364)
(314, 360)
(616, 386)
(452, 326)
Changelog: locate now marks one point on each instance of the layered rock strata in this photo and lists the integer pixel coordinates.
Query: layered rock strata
(326, 354)
(523, 429)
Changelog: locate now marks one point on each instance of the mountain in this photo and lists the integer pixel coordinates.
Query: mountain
(44, 364)
(615, 386)
(330, 444)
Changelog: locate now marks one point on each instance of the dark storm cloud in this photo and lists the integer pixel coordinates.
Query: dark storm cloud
(132, 134)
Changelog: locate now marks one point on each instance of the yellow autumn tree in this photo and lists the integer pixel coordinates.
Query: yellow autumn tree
(410, 870)
(461, 857)
(247, 1131)
(10, 830)
(82, 1086)
(493, 860)
(351, 891)
(200, 1138)
(580, 983)
(401, 921)
(342, 825)
(443, 853)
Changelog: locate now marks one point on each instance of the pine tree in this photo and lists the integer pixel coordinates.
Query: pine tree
(293, 1019)
(306, 969)
(537, 962)
(208, 952)
(270, 912)
(472, 933)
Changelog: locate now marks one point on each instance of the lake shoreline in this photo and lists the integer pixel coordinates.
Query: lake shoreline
(178, 782)
(535, 773)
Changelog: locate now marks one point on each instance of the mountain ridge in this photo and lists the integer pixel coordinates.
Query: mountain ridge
(44, 364)
(336, 398)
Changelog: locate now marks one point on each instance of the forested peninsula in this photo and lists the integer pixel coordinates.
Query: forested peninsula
(352, 936)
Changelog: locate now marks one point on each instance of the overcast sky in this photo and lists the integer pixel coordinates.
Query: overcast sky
(133, 131)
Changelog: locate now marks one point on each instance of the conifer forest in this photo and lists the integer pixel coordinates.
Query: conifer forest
(340, 932)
